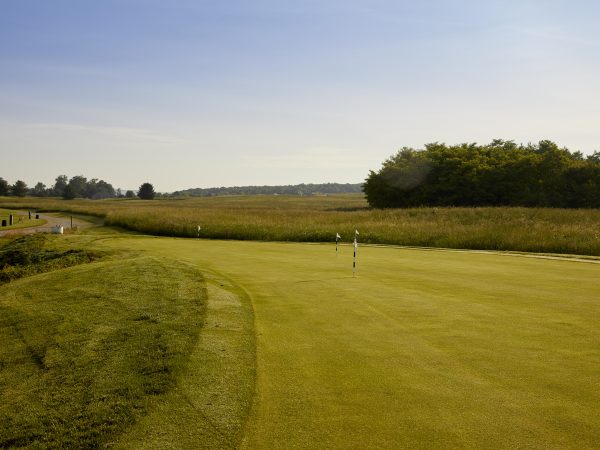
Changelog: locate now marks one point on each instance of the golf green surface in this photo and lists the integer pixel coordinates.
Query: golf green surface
(422, 349)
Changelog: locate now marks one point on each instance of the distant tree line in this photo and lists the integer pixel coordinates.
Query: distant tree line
(499, 173)
(76, 187)
(297, 189)
(80, 187)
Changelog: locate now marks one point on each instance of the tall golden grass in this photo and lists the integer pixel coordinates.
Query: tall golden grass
(318, 219)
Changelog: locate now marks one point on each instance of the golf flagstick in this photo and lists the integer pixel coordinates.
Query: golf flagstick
(355, 247)
(337, 238)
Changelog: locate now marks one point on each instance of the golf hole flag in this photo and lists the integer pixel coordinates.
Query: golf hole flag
(337, 238)
(199, 228)
(355, 247)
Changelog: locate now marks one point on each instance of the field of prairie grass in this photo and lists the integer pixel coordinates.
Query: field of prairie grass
(319, 218)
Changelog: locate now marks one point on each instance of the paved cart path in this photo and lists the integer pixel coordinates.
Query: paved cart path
(52, 220)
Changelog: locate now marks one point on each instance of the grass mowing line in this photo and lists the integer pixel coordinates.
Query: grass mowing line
(210, 404)
(420, 350)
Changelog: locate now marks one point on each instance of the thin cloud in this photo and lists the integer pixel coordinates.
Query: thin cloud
(120, 133)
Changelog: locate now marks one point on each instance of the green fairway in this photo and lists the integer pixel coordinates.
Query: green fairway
(423, 349)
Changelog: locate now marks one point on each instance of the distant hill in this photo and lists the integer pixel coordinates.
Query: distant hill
(297, 189)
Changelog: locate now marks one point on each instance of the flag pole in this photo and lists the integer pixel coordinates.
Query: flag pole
(355, 247)
(337, 238)
(199, 228)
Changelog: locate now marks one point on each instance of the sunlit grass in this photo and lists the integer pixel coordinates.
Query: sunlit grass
(82, 354)
(422, 349)
(319, 218)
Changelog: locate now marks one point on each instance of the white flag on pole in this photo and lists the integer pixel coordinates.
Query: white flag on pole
(337, 236)
(355, 247)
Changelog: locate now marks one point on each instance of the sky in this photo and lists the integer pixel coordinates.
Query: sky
(186, 94)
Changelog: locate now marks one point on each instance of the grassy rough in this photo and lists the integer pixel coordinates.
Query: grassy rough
(318, 219)
(83, 354)
(37, 253)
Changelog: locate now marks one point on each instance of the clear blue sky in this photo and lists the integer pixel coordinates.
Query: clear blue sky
(219, 93)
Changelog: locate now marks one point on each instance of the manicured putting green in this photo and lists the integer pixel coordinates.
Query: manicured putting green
(423, 349)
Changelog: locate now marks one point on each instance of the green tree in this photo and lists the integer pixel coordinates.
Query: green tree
(97, 189)
(129, 194)
(594, 157)
(500, 173)
(19, 189)
(78, 185)
(68, 192)
(60, 183)
(4, 188)
(146, 192)
(39, 190)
